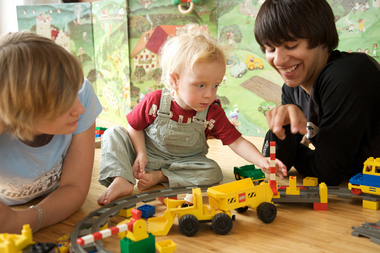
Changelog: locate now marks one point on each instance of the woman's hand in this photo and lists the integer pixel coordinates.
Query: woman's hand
(285, 115)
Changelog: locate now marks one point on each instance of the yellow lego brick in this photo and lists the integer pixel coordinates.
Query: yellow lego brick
(374, 205)
(167, 246)
(14, 243)
(323, 192)
(310, 181)
(126, 212)
(292, 189)
(139, 231)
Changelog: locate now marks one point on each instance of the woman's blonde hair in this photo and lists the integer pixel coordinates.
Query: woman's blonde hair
(192, 44)
(39, 80)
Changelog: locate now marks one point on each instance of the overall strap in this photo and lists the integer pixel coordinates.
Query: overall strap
(165, 103)
(200, 117)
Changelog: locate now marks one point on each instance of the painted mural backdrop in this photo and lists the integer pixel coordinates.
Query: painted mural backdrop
(118, 42)
(69, 25)
(150, 24)
(110, 28)
(97, 34)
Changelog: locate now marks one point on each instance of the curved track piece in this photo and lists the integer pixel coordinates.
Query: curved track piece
(98, 218)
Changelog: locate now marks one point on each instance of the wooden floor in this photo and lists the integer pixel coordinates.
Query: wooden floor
(297, 227)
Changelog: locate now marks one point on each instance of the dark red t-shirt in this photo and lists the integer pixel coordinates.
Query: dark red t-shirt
(217, 126)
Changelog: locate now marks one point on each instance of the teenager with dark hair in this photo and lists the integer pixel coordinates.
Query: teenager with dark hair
(329, 98)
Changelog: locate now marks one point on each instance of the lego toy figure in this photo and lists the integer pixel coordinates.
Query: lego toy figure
(189, 200)
(47, 124)
(329, 98)
(166, 140)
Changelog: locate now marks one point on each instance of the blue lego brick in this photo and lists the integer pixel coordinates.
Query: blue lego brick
(367, 180)
(371, 180)
(147, 211)
(357, 179)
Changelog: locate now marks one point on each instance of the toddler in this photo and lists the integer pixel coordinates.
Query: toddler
(166, 140)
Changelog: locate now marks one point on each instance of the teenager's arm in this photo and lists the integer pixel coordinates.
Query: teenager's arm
(68, 197)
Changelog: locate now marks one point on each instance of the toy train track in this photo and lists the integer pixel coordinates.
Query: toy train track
(98, 218)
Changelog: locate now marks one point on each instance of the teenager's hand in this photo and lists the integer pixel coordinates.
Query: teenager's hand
(138, 166)
(285, 115)
(281, 170)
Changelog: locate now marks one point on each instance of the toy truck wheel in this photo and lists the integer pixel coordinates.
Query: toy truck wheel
(221, 223)
(242, 209)
(237, 176)
(189, 225)
(266, 212)
(356, 191)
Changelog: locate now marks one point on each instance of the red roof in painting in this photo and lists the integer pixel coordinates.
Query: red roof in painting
(155, 38)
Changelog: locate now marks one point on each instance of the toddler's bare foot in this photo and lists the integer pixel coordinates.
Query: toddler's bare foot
(119, 187)
(151, 178)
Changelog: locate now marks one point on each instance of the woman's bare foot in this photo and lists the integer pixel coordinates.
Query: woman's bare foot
(119, 187)
(151, 178)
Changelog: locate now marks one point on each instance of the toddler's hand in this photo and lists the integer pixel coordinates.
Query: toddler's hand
(138, 166)
(281, 170)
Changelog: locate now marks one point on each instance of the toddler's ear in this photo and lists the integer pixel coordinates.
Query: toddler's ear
(174, 80)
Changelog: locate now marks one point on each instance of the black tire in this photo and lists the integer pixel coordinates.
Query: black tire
(237, 176)
(242, 209)
(188, 225)
(221, 223)
(266, 212)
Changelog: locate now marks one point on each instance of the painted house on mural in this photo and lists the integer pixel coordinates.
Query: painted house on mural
(145, 53)
(43, 28)
(145, 3)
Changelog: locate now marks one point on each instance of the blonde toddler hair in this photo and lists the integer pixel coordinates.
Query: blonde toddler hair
(39, 80)
(191, 45)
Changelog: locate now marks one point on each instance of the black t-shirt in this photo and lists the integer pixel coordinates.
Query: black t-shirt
(343, 114)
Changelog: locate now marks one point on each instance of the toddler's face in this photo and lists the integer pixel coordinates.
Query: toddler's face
(197, 90)
(66, 123)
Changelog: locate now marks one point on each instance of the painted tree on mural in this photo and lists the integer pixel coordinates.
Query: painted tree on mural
(139, 73)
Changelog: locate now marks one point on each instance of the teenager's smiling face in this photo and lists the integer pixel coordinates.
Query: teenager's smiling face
(297, 63)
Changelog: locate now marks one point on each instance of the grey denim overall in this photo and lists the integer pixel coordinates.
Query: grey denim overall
(177, 149)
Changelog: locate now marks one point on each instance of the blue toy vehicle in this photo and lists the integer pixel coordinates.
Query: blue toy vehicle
(369, 180)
